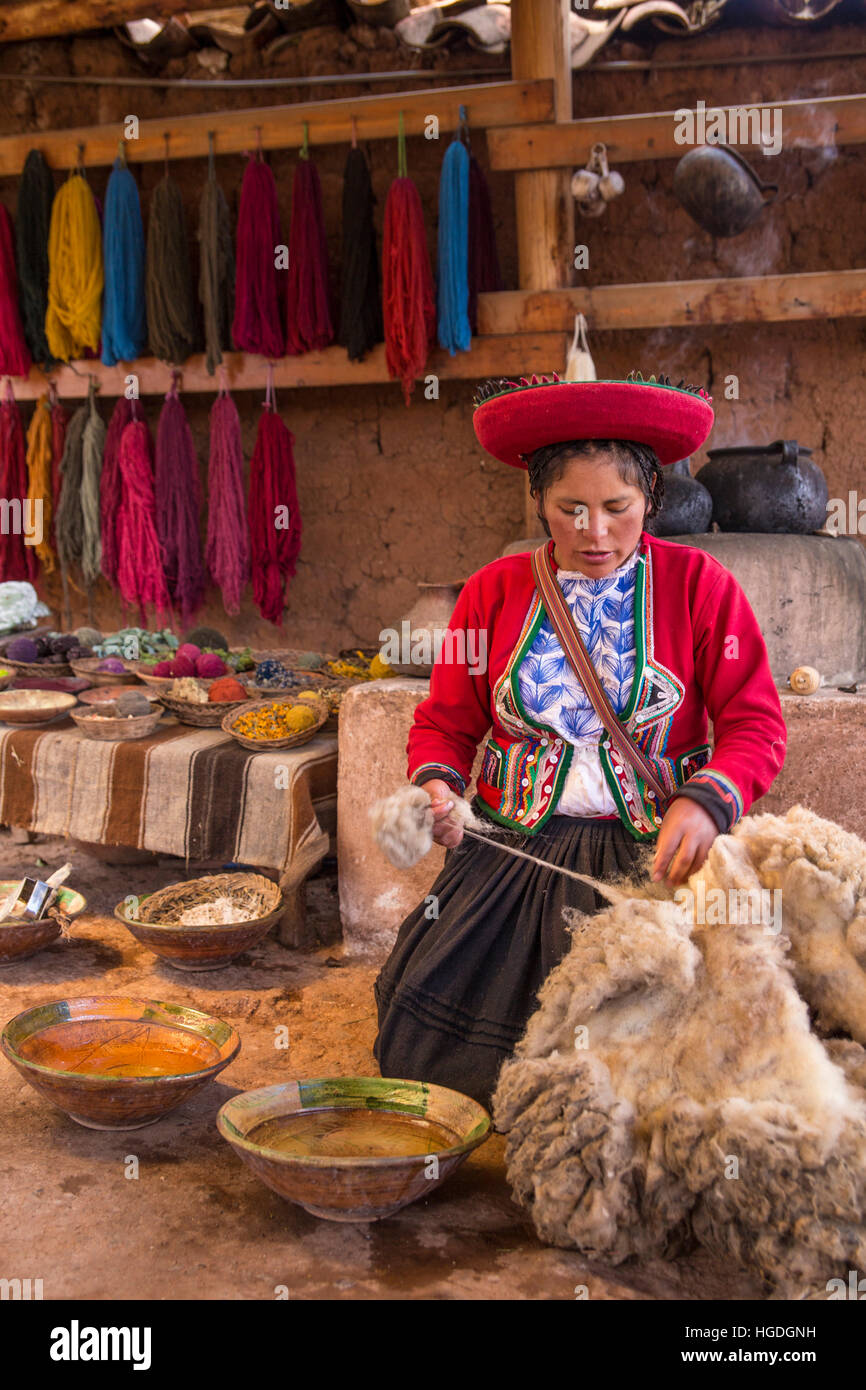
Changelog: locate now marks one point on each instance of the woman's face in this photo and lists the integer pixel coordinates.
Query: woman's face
(595, 518)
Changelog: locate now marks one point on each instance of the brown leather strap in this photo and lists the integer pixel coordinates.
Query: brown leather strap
(580, 661)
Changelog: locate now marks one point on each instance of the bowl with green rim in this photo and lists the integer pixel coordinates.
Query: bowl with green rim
(353, 1148)
(20, 939)
(112, 1062)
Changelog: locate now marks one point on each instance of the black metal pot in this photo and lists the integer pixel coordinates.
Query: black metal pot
(687, 507)
(720, 189)
(775, 488)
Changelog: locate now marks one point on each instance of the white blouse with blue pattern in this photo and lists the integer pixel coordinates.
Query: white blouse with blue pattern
(552, 694)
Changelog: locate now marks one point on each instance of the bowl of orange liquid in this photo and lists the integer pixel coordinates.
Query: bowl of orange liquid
(353, 1148)
(113, 1062)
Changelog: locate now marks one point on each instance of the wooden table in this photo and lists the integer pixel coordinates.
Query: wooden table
(185, 791)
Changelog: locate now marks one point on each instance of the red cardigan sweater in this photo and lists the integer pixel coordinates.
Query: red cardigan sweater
(699, 649)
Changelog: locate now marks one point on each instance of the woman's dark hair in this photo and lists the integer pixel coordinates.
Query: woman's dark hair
(636, 464)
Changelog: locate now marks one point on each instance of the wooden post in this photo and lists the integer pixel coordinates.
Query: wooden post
(540, 47)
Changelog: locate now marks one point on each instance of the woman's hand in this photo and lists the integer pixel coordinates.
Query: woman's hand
(684, 840)
(447, 830)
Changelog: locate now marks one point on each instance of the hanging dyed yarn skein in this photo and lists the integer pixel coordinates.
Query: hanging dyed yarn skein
(14, 353)
(308, 321)
(259, 286)
(216, 281)
(275, 518)
(483, 264)
(17, 558)
(171, 316)
(68, 524)
(75, 271)
(92, 447)
(178, 502)
(110, 488)
(227, 552)
(32, 223)
(453, 272)
(360, 296)
(39, 460)
(124, 329)
(59, 424)
(140, 573)
(407, 280)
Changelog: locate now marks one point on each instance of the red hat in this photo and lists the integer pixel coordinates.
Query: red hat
(514, 418)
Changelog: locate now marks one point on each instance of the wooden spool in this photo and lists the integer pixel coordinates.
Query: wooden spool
(805, 680)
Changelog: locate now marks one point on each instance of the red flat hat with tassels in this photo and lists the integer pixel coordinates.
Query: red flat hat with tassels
(514, 418)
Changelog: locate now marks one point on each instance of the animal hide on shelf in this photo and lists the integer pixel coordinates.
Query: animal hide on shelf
(670, 1089)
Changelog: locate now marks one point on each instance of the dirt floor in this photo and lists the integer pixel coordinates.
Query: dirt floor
(196, 1223)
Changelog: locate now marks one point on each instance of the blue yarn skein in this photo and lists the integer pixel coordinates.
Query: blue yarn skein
(124, 325)
(452, 289)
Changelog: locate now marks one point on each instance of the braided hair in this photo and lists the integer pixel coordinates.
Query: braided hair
(636, 464)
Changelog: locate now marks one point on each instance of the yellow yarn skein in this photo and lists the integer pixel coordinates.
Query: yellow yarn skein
(39, 452)
(75, 272)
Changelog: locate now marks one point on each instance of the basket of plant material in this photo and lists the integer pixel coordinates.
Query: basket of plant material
(192, 662)
(44, 654)
(204, 703)
(130, 716)
(287, 723)
(204, 923)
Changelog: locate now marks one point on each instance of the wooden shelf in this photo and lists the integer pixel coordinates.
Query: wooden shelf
(490, 356)
(520, 331)
(488, 104)
(815, 124)
(823, 294)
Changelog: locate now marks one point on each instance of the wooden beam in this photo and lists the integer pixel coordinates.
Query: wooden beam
(329, 122)
(529, 352)
(824, 294)
(40, 19)
(540, 48)
(813, 124)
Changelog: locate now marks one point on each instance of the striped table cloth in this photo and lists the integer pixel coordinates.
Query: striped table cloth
(185, 791)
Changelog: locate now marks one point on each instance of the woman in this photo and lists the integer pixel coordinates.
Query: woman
(673, 639)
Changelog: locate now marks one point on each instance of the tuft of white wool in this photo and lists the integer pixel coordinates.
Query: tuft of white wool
(403, 824)
(403, 828)
(670, 1088)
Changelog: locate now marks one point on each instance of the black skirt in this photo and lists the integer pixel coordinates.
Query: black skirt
(462, 979)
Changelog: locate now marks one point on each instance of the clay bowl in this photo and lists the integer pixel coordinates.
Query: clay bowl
(117, 1063)
(18, 940)
(372, 1149)
(88, 666)
(34, 706)
(107, 694)
(197, 948)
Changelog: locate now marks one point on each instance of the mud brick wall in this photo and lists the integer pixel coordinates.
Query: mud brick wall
(391, 495)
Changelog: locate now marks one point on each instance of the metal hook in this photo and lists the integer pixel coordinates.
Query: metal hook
(354, 132)
(259, 152)
(210, 153)
(166, 137)
(305, 148)
(79, 166)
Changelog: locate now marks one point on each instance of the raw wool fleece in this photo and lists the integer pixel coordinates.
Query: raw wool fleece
(698, 1050)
